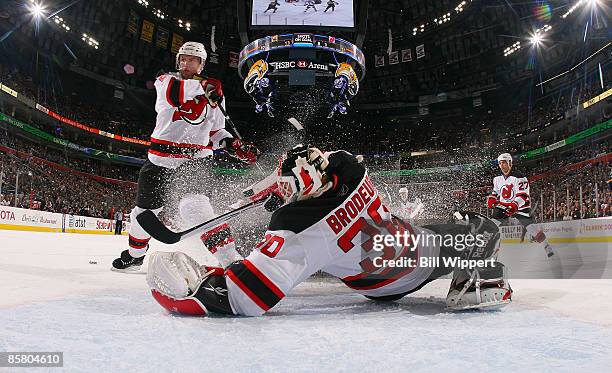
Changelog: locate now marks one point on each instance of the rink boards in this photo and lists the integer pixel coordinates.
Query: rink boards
(562, 232)
(597, 230)
(13, 218)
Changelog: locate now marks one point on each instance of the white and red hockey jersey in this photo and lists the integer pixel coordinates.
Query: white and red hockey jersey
(332, 233)
(513, 188)
(411, 210)
(187, 125)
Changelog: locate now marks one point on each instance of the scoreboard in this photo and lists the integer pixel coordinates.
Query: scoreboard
(301, 40)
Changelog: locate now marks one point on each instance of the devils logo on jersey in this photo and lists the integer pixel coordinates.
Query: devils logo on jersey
(193, 111)
(507, 192)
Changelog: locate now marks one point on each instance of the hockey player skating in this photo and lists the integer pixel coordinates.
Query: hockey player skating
(510, 198)
(331, 215)
(331, 4)
(309, 4)
(272, 6)
(409, 210)
(189, 127)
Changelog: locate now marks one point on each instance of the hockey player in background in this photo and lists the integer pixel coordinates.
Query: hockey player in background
(331, 4)
(510, 198)
(409, 210)
(330, 215)
(272, 6)
(189, 127)
(309, 4)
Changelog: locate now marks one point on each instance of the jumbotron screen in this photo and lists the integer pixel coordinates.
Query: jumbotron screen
(326, 13)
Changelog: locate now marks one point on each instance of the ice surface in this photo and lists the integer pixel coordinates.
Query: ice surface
(293, 14)
(53, 299)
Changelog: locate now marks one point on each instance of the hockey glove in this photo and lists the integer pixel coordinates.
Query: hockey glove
(213, 90)
(511, 208)
(492, 201)
(246, 152)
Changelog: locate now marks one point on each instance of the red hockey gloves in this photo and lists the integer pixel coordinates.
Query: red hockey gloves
(246, 152)
(213, 90)
(492, 201)
(511, 208)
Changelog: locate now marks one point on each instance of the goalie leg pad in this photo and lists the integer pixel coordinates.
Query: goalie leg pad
(483, 288)
(195, 209)
(181, 285)
(174, 274)
(185, 306)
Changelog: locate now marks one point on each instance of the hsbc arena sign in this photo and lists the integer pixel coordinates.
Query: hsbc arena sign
(300, 64)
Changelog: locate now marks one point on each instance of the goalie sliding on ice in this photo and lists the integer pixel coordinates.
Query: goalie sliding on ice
(329, 216)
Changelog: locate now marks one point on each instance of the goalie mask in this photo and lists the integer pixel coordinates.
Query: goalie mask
(301, 174)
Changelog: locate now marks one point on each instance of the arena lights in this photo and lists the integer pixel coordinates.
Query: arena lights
(459, 8)
(60, 22)
(445, 17)
(511, 49)
(90, 41)
(163, 16)
(36, 9)
(538, 35)
(185, 25)
(159, 14)
(575, 6)
(544, 29)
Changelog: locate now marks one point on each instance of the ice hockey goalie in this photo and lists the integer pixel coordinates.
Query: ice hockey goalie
(330, 217)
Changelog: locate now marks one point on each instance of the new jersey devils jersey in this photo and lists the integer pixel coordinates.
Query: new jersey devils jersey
(513, 188)
(187, 125)
(332, 233)
(411, 210)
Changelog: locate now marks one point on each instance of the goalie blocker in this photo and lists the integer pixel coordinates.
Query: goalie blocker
(320, 191)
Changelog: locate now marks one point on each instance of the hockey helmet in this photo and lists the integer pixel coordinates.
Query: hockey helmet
(192, 48)
(403, 192)
(505, 157)
(302, 174)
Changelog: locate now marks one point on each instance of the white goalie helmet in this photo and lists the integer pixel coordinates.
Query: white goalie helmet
(505, 157)
(193, 48)
(403, 192)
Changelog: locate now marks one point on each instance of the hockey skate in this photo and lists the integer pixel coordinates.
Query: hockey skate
(483, 289)
(549, 250)
(127, 263)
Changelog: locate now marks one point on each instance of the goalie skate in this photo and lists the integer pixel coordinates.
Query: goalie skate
(485, 290)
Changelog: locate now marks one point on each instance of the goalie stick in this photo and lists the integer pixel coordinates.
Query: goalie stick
(153, 226)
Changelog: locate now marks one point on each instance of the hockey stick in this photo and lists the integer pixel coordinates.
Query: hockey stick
(153, 226)
(518, 212)
(235, 130)
(233, 125)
